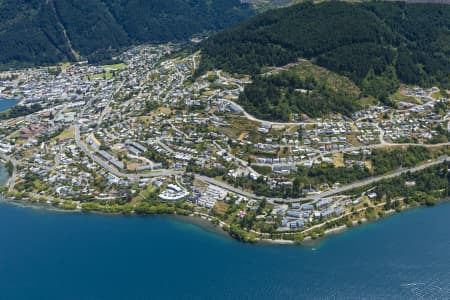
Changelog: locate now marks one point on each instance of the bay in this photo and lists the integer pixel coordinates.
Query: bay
(55, 255)
(7, 103)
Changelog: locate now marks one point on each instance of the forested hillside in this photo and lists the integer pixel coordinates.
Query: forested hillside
(35, 32)
(375, 44)
(302, 89)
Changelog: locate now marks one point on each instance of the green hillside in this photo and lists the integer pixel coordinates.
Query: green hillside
(375, 44)
(300, 89)
(35, 32)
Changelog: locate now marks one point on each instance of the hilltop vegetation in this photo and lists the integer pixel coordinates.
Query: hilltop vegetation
(300, 89)
(375, 44)
(36, 32)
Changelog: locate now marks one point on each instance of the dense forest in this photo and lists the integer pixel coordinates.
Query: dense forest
(375, 44)
(37, 32)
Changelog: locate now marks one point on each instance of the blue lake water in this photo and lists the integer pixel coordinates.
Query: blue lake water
(7, 103)
(55, 255)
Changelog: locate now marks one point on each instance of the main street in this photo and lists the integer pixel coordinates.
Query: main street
(325, 194)
(105, 165)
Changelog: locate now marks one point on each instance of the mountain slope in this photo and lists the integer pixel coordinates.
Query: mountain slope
(154, 20)
(29, 31)
(35, 32)
(301, 89)
(371, 43)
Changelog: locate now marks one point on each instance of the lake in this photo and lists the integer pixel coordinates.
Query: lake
(56, 255)
(7, 103)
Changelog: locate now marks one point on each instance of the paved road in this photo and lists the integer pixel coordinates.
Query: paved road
(383, 143)
(226, 187)
(356, 148)
(242, 162)
(252, 118)
(104, 164)
(114, 171)
(325, 194)
(107, 109)
(378, 178)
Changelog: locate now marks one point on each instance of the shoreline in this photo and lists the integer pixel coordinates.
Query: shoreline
(205, 224)
(3, 98)
(195, 220)
(205, 221)
(16, 102)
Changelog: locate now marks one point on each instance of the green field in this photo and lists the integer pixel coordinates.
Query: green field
(106, 75)
(115, 67)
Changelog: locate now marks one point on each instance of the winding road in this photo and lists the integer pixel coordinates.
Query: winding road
(325, 194)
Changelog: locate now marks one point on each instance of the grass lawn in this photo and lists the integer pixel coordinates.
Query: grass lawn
(221, 208)
(66, 134)
(106, 75)
(437, 95)
(338, 160)
(208, 93)
(145, 119)
(398, 96)
(132, 166)
(29, 152)
(115, 67)
(160, 110)
(368, 165)
(239, 125)
(145, 194)
(351, 139)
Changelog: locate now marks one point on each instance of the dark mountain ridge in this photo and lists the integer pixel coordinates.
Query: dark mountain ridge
(377, 45)
(363, 41)
(36, 32)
